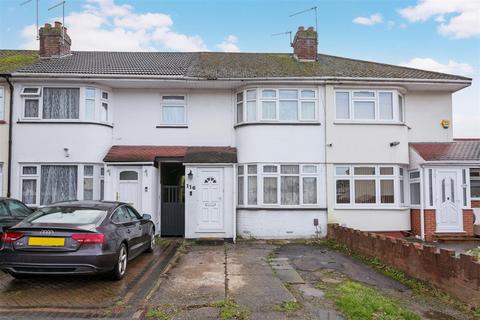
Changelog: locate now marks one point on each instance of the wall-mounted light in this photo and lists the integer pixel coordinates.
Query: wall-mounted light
(67, 152)
(146, 172)
(190, 175)
(445, 124)
(394, 143)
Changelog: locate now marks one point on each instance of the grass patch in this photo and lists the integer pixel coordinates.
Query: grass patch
(287, 306)
(158, 314)
(229, 309)
(356, 301)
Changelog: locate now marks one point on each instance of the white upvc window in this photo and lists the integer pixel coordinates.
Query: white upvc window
(475, 183)
(369, 106)
(1, 180)
(368, 185)
(2, 103)
(276, 105)
(415, 187)
(65, 103)
(174, 110)
(42, 184)
(278, 185)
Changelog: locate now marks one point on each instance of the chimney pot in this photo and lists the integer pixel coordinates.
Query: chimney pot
(305, 44)
(54, 41)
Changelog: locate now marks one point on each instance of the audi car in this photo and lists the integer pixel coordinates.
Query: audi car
(77, 237)
(12, 212)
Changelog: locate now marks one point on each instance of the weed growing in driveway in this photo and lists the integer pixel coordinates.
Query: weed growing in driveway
(359, 302)
(229, 309)
(157, 314)
(287, 306)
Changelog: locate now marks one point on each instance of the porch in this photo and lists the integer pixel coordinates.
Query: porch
(444, 185)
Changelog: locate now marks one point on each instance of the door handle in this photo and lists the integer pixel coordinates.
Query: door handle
(128, 231)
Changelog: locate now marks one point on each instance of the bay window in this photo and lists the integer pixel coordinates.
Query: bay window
(63, 103)
(288, 185)
(276, 105)
(367, 185)
(369, 105)
(173, 110)
(43, 184)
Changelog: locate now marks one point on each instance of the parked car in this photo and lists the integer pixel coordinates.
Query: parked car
(77, 237)
(12, 212)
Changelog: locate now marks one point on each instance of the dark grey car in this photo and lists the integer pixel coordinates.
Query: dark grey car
(77, 237)
(12, 212)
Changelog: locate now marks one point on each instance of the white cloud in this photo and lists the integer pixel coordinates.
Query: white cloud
(102, 25)
(229, 44)
(369, 21)
(463, 19)
(452, 66)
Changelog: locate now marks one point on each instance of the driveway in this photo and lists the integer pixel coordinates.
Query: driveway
(80, 296)
(260, 280)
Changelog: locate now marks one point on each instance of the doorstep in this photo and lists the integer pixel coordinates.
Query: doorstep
(453, 236)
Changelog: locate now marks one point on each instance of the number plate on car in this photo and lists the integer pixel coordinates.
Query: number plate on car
(46, 242)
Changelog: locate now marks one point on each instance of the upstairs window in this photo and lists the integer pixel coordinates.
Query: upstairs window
(173, 110)
(276, 105)
(61, 103)
(368, 106)
(64, 103)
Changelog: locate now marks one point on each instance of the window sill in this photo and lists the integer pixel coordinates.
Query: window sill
(297, 123)
(358, 207)
(172, 126)
(293, 208)
(391, 123)
(64, 122)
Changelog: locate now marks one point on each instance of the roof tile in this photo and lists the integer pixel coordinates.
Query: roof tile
(459, 150)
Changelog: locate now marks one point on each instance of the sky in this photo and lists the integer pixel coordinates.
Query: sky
(439, 35)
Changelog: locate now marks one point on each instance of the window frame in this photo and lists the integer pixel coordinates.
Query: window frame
(377, 177)
(470, 182)
(414, 180)
(163, 104)
(278, 175)
(2, 103)
(99, 90)
(80, 179)
(259, 105)
(396, 119)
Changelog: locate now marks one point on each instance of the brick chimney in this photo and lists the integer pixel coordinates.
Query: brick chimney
(52, 43)
(305, 44)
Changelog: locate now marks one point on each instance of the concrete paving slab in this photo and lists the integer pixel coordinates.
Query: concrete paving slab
(310, 291)
(198, 278)
(289, 276)
(205, 313)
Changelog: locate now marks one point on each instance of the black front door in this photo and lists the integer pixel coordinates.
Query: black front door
(173, 200)
(173, 211)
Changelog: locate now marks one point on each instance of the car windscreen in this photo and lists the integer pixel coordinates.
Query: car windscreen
(67, 215)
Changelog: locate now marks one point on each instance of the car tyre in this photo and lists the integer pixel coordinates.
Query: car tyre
(151, 245)
(121, 264)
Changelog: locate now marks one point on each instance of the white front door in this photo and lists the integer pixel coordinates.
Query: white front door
(448, 211)
(129, 187)
(210, 213)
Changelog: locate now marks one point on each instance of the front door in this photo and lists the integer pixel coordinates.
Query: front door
(210, 214)
(448, 211)
(129, 188)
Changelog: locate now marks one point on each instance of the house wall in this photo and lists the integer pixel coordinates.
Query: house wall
(4, 124)
(209, 118)
(424, 112)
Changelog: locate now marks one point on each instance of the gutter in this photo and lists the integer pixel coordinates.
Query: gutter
(10, 127)
(467, 81)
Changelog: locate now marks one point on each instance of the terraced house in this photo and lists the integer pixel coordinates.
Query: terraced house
(220, 145)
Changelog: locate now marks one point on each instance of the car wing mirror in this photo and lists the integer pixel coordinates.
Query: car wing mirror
(147, 216)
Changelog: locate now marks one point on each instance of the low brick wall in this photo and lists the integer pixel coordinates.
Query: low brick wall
(460, 276)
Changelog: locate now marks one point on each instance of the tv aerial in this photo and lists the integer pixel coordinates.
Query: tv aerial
(307, 10)
(36, 2)
(283, 33)
(63, 17)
